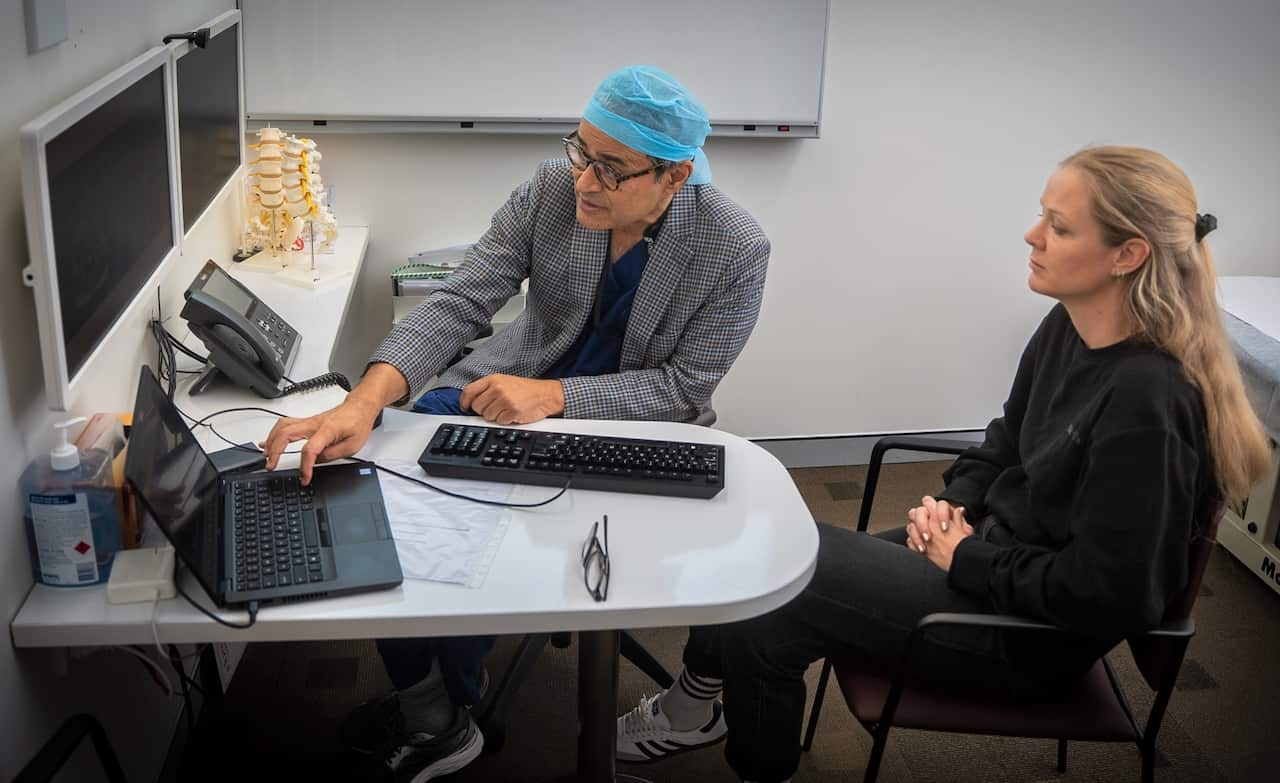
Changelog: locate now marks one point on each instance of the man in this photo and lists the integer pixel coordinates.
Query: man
(644, 283)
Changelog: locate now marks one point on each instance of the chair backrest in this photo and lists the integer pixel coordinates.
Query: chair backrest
(1157, 659)
(706, 416)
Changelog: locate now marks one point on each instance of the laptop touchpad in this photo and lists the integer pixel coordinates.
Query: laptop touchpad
(356, 523)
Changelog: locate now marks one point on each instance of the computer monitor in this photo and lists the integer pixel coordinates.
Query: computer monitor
(210, 124)
(99, 191)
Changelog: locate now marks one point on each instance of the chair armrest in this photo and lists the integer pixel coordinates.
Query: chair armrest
(1004, 622)
(705, 418)
(983, 620)
(1174, 629)
(929, 622)
(902, 443)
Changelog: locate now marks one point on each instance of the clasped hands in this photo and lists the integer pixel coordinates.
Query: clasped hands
(935, 529)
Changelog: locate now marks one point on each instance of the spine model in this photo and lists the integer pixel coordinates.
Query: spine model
(285, 196)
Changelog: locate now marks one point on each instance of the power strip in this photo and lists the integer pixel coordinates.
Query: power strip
(141, 575)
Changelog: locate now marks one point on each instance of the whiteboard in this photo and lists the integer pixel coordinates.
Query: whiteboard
(750, 62)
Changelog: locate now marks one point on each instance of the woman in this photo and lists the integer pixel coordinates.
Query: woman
(1126, 424)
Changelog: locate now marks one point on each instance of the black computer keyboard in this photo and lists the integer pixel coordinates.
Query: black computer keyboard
(648, 467)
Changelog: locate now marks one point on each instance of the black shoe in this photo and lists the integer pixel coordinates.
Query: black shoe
(416, 758)
(370, 726)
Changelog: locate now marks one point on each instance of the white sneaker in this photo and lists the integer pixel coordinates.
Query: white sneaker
(645, 734)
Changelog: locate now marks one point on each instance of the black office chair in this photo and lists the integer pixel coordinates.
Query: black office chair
(49, 761)
(485, 332)
(493, 712)
(1092, 707)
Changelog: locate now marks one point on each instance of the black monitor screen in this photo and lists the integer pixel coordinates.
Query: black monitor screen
(175, 479)
(109, 199)
(208, 121)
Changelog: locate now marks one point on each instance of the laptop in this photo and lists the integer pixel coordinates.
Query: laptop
(258, 536)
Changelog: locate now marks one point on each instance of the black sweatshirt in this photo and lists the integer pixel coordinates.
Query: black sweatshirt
(1094, 478)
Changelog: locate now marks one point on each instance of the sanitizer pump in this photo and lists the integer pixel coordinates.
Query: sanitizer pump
(73, 529)
(65, 456)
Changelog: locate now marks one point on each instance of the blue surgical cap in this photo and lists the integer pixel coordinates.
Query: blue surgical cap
(646, 109)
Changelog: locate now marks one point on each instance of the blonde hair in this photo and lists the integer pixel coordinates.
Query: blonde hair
(1138, 193)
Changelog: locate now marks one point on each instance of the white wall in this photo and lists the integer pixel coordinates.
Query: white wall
(896, 298)
(42, 687)
(897, 295)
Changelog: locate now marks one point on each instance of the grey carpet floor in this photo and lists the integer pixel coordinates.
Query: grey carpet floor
(287, 698)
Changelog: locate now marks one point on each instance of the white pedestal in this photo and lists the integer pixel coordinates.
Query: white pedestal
(295, 268)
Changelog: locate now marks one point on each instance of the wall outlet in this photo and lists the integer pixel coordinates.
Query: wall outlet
(46, 23)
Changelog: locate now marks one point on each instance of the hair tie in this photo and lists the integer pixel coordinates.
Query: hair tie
(1204, 224)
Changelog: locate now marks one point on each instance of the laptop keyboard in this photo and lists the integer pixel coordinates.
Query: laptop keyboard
(276, 544)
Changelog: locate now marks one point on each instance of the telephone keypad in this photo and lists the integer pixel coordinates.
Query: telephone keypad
(277, 331)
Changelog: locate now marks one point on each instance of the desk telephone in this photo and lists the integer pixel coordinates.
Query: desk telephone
(247, 341)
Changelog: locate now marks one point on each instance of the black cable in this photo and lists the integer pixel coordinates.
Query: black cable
(178, 344)
(238, 409)
(166, 361)
(318, 382)
(204, 423)
(483, 501)
(252, 609)
(175, 660)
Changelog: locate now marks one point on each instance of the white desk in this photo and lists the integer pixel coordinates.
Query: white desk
(673, 561)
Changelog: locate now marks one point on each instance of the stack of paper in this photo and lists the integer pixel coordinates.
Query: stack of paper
(426, 270)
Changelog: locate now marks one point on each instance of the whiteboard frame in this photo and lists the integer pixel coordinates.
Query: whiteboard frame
(330, 122)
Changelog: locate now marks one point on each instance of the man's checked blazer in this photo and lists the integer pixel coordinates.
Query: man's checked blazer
(696, 305)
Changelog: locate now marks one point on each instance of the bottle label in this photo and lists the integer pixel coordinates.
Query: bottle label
(64, 539)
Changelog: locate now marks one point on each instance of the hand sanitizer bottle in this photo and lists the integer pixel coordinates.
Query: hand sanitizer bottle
(73, 530)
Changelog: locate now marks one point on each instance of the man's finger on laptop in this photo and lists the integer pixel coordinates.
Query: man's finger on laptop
(312, 453)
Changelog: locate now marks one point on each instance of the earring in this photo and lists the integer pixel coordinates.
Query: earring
(1117, 273)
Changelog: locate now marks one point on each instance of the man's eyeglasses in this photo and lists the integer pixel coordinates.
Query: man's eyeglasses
(595, 561)
(609, 177)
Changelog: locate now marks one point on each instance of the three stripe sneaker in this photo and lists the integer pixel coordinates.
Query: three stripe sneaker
(645, 734)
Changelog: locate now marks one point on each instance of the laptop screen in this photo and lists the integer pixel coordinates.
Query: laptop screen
(176, 481)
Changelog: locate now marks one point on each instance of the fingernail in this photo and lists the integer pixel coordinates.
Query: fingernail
(925, 536)
(944, 527)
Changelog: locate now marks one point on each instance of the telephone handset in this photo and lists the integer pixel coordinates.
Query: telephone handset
(247, 341)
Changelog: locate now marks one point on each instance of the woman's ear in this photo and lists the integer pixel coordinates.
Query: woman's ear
(1133, 254)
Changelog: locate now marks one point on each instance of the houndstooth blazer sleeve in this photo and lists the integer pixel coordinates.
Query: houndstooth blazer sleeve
(422, 342)
(697, 302)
